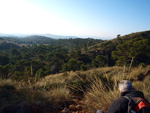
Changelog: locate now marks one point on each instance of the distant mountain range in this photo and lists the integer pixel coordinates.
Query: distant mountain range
(28, 35)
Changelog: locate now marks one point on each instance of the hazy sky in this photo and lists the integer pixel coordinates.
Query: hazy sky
(82, 18)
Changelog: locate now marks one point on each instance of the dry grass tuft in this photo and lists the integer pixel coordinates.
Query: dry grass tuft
(60, 96)
(100, 95)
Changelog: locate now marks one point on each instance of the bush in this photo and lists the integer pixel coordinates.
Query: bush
(83, 67)
(142, 64)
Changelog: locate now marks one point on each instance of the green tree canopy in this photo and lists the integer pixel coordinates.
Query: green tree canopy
(129, 51)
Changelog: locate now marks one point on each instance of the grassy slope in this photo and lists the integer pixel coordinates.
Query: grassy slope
(99, 87)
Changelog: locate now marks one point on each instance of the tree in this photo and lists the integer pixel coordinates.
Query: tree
(14, 51)
(83, 67)
(6, 71)
(118, 36)
(72, 64)
(100, 61)
(129, 51)
(4, 60)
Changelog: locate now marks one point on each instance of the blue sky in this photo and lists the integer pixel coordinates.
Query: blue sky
(83, 18)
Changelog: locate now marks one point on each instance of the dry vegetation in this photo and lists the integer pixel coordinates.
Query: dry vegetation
(97, 86)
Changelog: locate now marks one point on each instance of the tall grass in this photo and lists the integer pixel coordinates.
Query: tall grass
(100, 95)
(143, 86)
(13, 92)
(99, 87)
(60, 96)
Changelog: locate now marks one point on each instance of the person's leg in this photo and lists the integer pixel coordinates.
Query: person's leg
(99, 111)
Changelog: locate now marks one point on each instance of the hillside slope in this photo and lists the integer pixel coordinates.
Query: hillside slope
(125, 43)
(79, 91)
(119, 40)
(6, 45)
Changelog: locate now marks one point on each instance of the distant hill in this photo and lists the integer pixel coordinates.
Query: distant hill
(34, 39)
(58, 36)
(37, 39)
(30, 35)
(7, 35)
(43, 39)
(6, 45)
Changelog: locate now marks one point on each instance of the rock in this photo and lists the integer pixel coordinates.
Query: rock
(78, 107)
(65, 110)
(75, 108)
(83, 111)
(72, 108)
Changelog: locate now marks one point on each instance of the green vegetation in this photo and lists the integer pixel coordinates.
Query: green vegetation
(52, 72)
(42, 59)
(39, 59)
(134, 49)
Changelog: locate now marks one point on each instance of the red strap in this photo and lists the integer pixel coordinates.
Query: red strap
(141, 105)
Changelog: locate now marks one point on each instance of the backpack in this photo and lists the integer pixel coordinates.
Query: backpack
(138, 105)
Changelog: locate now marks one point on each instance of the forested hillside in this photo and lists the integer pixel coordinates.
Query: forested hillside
(41, 56)
(124, 50)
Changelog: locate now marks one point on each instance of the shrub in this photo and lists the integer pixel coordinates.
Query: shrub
(142, 64)
(83, 67)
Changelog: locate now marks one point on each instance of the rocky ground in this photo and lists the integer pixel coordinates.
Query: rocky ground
(79, 107)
